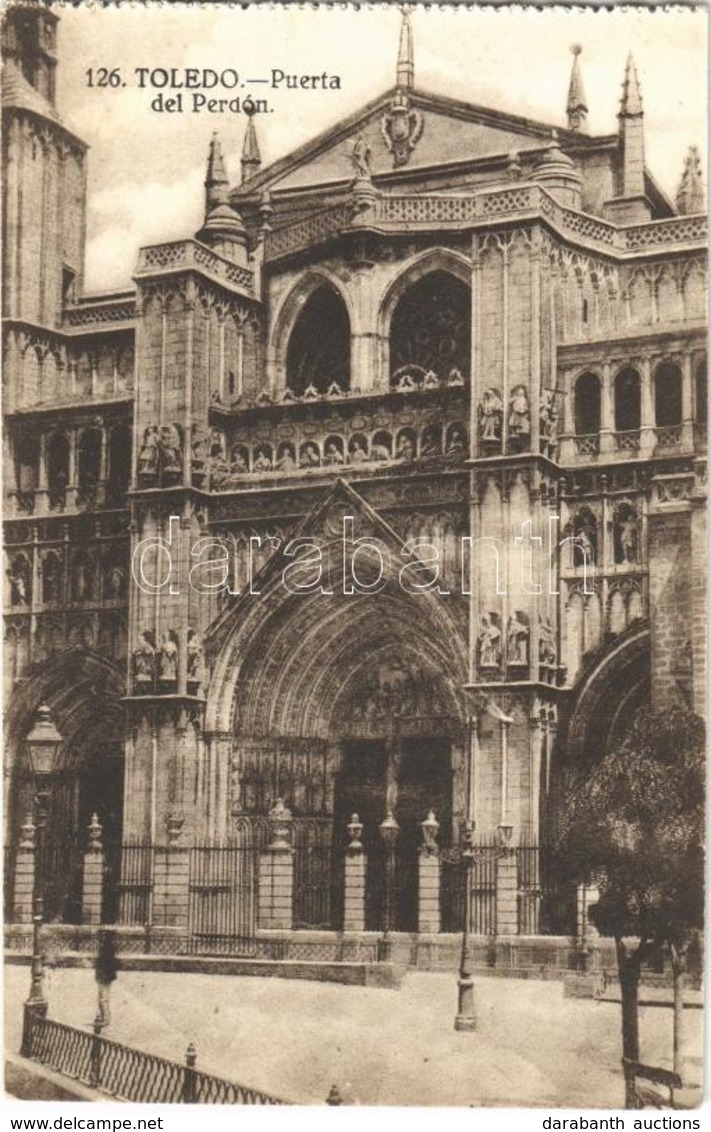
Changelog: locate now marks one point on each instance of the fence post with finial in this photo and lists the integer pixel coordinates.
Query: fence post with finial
(190, 1076)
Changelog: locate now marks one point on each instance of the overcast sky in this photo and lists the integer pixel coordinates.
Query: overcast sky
(146, 169)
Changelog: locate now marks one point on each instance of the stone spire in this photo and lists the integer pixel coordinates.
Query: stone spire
(223, 228)
(690, 194)
(216, 182)
(251, 157)
(631, 96)
(631, 119)
(405, 56)
(577, 107)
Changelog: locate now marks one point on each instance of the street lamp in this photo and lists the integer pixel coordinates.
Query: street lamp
(42, 745)
(389, 833)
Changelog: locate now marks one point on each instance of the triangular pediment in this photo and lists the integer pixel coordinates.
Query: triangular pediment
(450, 132)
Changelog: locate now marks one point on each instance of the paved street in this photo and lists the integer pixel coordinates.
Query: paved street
(295, 1039)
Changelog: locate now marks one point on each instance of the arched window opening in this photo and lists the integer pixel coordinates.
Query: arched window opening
(319, 350)
(57, 469)
(587, 405)
(26, 472)
(628, 411)
(89, 464)
(667, 395)
(119, 464)
(702, 402)
(430, 331)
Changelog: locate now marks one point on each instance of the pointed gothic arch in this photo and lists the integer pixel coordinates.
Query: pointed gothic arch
(442, 310)
(289, 312)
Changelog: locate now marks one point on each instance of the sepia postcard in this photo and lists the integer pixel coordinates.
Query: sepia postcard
(355, 429)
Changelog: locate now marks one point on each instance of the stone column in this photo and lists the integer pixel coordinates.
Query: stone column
(92, 891)
(607, 412)
(276, 873)
(428, 909)
(506, 893)
(25, 875)
(687, 402)
(648, 439)
(354, 882)
(171, 876)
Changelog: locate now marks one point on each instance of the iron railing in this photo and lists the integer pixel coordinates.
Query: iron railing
(482, 872)
(222, 906)
(130, 1074)
(136, 883)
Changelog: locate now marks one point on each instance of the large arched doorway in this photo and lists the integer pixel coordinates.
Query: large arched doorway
(83, 693)
(347, 703)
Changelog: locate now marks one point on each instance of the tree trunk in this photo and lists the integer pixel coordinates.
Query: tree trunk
(628, 967)
(678, 961)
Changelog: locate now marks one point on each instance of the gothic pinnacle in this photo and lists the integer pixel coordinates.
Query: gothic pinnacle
(251, 157)
(631, 96)
(405, 57)
(216, 182)
(576, 107)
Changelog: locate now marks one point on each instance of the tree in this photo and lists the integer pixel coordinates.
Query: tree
(633, 825)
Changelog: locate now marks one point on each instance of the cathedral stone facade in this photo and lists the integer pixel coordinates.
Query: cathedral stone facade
(473, 341)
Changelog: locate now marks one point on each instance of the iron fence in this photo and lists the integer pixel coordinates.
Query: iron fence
(130, 1074)
(222, 900)
(135, 888)
(482, 874)
(402, 876)
(528, 861)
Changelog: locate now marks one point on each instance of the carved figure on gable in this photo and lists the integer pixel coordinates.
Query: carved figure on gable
(547, 646)
(519, 418)
(144, 662)
(491, 416)
(489, 641)
(549, 422)
(168, 658)
(148, 454)
(517, 634)
(361, 157)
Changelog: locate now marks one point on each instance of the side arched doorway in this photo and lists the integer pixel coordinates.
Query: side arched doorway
(83, 693)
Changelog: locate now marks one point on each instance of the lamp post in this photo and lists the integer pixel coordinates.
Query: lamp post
(42, 744)
(389, 833)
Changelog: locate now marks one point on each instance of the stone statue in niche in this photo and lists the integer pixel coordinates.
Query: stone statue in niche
(144, 662)
(263, 460)
(489, 641)
(405, 448)
(194, 658)
(333, 454)
(168, 658)
(549, 422)
(584, 540)
(456, 440)
(19, 578)
(240, 461)
(82, 581)
(491, 415)
(148, 454)
(198, 459)
(517, 633)
(519, 421)
(171, 451)
(309, 457)
(547, 648)
(626, 536)
(287, 459)
(116, 583)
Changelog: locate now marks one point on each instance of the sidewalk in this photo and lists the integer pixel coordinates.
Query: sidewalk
(532, 1048)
